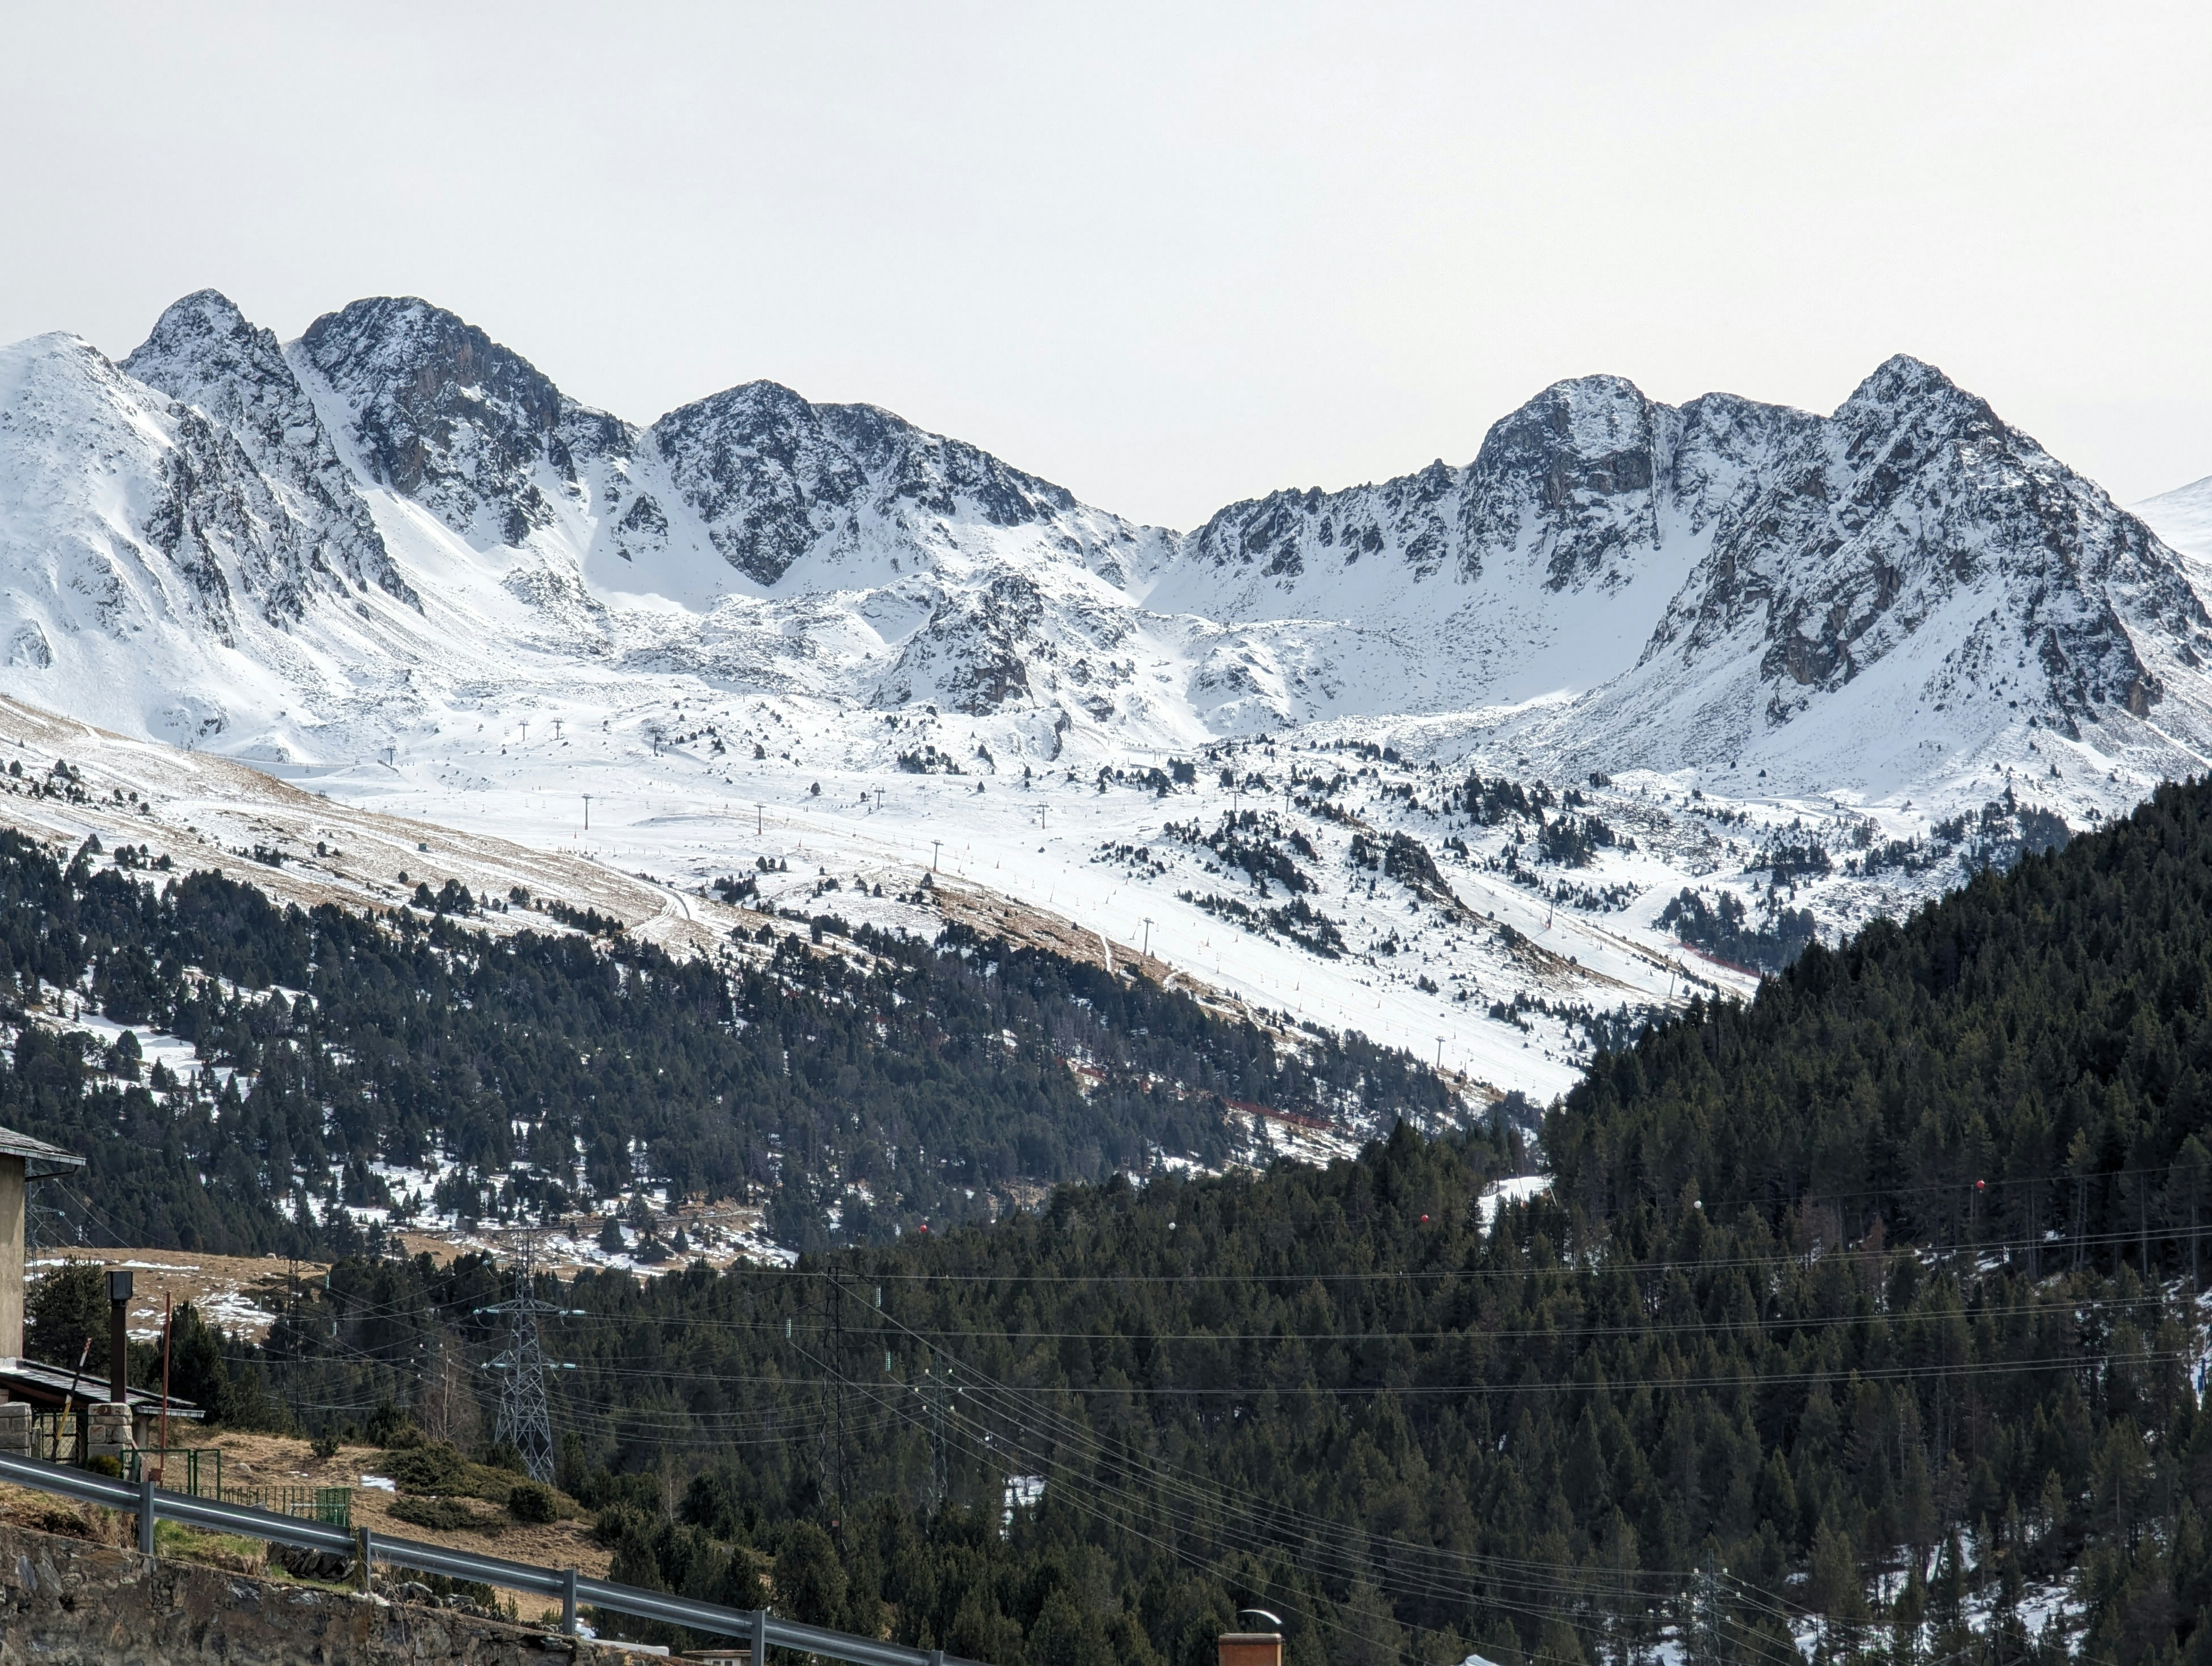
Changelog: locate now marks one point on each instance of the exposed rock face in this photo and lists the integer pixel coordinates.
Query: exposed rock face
(774, 478)
(203, 352)
(1913, 531)
(68, 1601)
(1578, 481)
(128, 508)
(443, 414)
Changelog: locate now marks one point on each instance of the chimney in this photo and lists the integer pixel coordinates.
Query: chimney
(1251, 1648)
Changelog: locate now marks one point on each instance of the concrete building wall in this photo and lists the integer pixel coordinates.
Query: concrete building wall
(11, 1257)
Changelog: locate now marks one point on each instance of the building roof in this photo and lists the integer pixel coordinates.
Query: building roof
(42, 1384)
(41, 1160)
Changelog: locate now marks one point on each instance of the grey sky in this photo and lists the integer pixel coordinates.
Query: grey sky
(1168, 257)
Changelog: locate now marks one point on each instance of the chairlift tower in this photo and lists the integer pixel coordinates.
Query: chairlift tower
(525, 1416)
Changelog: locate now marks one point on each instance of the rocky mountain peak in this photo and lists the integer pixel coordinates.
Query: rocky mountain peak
(1909, 571)
(204, 326)
(444, 415)
(204, 352)
(773, 477)
(1585, 422)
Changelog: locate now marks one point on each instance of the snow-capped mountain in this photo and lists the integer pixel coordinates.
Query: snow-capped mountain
(1543, 565)
(1910, 589)
(376, 556)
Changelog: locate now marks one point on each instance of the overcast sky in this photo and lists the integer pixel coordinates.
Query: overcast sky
(1168, 257)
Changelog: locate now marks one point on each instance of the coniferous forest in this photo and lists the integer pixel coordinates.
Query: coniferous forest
(1864, 1315)
(895, 1079)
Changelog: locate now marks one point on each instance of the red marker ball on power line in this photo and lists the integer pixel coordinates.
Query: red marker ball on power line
(1425, 1220)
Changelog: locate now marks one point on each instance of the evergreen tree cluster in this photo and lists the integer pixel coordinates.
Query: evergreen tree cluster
(886, 1078)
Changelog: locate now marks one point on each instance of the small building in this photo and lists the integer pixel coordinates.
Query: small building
(28, 1387)
(23, 1161)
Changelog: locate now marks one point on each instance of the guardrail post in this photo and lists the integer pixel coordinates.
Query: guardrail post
(568, 1602)
(145, 1512)
(364, 1544)
(760, 1637)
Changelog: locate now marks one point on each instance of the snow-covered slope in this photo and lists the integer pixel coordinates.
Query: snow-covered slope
(392, 559)
(2183, 518)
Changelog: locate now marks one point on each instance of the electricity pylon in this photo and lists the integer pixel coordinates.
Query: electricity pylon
(525, 1415)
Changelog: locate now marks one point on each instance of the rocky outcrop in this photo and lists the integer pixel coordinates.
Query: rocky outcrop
(774, 478)
(1917, 533)
(443, 414)
(1580, 483)
(203, 354)
(66, 1601)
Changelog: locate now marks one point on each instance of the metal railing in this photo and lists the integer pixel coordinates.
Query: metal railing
(758, 1627)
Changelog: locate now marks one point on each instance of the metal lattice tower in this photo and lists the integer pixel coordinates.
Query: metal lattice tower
(933, 1396)
(525, 1415)
(1705, 1644)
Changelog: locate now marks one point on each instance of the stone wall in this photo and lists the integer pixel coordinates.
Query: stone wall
(67, 1602)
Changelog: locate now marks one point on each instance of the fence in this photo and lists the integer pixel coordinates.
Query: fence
(758, 1628)
(194, 1469)
(196, 1472)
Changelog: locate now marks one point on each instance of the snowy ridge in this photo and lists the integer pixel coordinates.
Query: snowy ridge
(393, 561)
(2183, 518)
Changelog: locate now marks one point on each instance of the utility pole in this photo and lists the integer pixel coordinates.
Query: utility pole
(937, 849)
(525, 1418)
(1148, 937)
(587, 812)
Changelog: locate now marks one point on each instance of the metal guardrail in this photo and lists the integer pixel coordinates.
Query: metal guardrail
(759, 1628)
